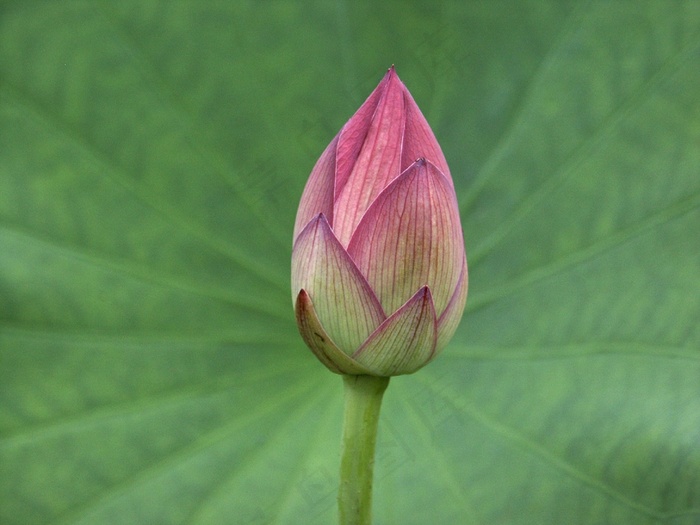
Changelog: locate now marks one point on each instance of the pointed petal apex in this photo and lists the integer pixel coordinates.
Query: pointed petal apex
(411, 236)
(320, 342)
(419, 140)
(377, 155)
(404, 342)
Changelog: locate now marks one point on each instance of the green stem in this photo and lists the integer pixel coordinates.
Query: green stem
(363, 399)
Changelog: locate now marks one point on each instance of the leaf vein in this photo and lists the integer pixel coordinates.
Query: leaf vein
(528, 444)
(186, 117)
(116, 174)
(472, 191)
(139, 272)
(572, 259)
(581, 153)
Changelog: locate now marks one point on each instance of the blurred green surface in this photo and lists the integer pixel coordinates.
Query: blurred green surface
(152, 155)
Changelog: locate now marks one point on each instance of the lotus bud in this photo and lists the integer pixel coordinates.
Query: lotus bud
(379, 271)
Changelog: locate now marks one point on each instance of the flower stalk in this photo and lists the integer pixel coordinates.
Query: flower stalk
(363, 399)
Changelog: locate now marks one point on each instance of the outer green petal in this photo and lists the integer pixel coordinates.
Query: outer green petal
(411, 237)
(320, 342)
(404, 342)
(343, 300)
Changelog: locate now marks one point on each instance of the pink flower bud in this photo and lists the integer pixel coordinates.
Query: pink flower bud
(379, 272)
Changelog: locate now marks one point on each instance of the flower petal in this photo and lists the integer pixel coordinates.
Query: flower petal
(378, 162)
(450, 318)
(353, 134)
(318, 193)
(320, 342)
(405, 341)
(419, 140)
(342, 298)
(411, 237)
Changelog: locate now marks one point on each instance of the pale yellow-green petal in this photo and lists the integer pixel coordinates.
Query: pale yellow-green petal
(343, 300)
(320, 343)
(405, 341)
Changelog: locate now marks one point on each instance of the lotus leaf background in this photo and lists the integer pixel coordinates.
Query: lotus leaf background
(152, 155)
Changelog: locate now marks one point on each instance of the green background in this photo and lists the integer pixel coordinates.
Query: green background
(152, 155)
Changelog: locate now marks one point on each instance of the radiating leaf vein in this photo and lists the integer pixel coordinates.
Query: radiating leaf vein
(182, 113)
(288, 412)
(141, 273)
(535, 83)
(115, 173)
(150, 403)
(675, 211)
(598, 139)
(525, 443)
(630, 349)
